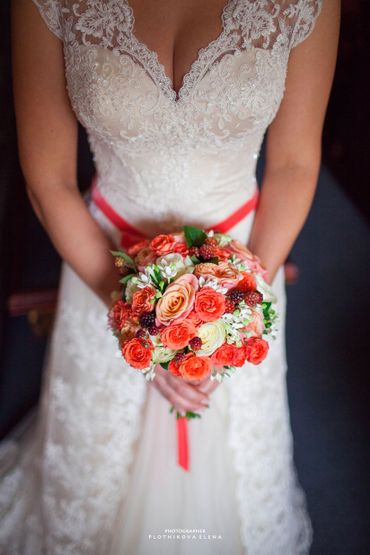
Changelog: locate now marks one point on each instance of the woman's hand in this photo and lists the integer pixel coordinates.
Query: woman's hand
(182, 395)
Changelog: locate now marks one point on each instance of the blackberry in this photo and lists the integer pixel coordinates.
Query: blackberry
(147, 320)
(194, 251)
(153, 330)
(253, 297)
(195, 343)
(236, 295)
(140, 333)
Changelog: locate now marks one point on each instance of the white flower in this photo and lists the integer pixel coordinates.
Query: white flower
(174, 265)
(211, 282)
(265, 289)
(212, 335)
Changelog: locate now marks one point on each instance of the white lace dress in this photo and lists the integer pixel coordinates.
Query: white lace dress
(97, 473)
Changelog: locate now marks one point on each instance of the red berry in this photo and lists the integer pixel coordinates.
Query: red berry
(194, 251)
(140, 333)
(147, 320)
(229, 305)
(153, 330)
(195, 343)
(253, 297)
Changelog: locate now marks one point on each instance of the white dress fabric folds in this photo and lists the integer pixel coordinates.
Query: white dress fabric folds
(96, 473)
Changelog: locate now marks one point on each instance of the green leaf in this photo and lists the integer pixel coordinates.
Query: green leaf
(189, 414)
(195, 259)
(126, 279)
(164, 365)
(194, 236)
(127, 259)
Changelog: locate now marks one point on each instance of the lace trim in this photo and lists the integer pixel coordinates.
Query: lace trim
(51, 14)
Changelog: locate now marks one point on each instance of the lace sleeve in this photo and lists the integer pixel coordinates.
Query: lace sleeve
(50, 11)
(308, 12)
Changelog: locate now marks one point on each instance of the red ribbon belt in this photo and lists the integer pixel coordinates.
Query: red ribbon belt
(129, 236)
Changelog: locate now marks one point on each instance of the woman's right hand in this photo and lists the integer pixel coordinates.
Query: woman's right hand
(182, 395)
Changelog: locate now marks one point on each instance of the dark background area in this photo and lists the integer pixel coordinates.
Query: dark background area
(327, 323)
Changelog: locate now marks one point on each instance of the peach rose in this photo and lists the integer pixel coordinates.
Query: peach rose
(119, 314)
(225, 274)
(162, 244)
(177, 335)
(134, 249)
(209, 304)
(144, 257)
(238, 249)
(256, 326)
(177, 300)
(195, 368)
(141, 300)
(256, 349)
(137, 352)
(229, 355)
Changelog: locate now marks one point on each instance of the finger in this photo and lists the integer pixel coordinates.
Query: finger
(188, 391)
(175, 398)
(208, 386)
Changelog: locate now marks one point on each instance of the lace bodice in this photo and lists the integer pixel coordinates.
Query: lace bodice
(151, 145)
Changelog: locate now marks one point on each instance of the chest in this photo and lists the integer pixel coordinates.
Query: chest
(177, 30)
(144, 94)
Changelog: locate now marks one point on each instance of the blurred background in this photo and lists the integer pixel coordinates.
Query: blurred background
(328, 301)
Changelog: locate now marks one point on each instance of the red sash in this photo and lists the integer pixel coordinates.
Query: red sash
(129, 236)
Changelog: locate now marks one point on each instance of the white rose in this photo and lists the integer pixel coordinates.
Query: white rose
(212, 335)
(162, 354)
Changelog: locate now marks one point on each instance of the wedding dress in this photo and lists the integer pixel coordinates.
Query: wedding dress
(97, 474)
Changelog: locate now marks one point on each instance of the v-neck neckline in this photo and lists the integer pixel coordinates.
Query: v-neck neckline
(196, 68)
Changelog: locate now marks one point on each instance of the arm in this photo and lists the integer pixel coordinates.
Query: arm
(47, 144)
(293, 150)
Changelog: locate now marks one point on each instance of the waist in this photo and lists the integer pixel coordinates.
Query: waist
(131, 234)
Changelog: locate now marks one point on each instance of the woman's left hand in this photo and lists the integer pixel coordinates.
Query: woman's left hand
(207, 385)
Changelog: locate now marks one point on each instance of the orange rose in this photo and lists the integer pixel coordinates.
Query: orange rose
(225, 274)
(177, 335)
(162, 244)
(209, 304)
(137, 352)
(256, 349)
(119, 314)
(177, 300)
(132, 251)
(195, 367)
(229, 355)
(141, 300)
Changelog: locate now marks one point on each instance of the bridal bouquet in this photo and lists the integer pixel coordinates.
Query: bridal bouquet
(197, 304)
(194, 302)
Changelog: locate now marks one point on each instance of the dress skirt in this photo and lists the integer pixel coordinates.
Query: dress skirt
(97, 472)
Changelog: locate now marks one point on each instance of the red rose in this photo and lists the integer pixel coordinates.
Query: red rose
(195, 368)
(177, 335)
(229, 355)
(119, 314)
(209, 304)
(256, 349)
(137, 352)
(163, 244)
(142, 300)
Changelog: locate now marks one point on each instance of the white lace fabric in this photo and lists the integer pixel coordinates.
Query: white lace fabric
(162, 159)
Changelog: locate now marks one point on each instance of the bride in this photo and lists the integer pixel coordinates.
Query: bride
(175, 97)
